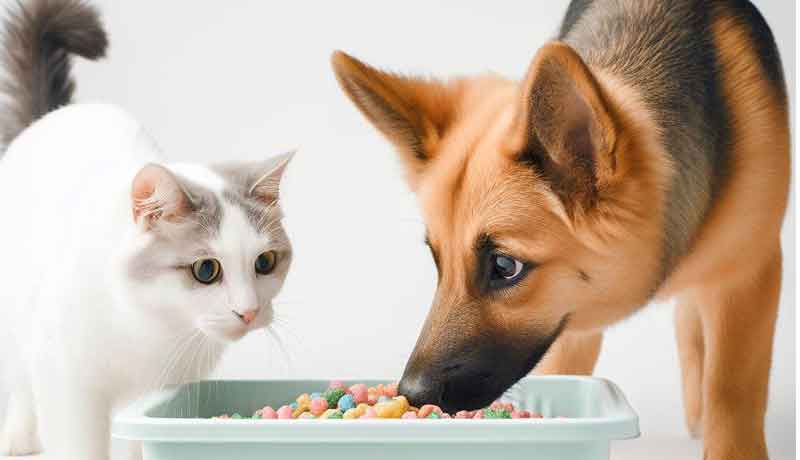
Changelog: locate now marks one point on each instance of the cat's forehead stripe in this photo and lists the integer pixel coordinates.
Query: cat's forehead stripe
(257, 213)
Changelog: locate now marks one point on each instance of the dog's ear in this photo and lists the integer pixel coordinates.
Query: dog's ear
(567, 132)
(411, 112)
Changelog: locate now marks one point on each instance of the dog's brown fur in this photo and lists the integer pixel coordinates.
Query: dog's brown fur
(569, 171)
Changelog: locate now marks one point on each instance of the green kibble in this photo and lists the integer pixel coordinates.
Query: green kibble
(333, 395)
(336, 415)
(433, 415)
(496, 413)
(236, 416)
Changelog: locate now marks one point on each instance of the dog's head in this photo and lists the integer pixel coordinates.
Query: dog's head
(521, 189)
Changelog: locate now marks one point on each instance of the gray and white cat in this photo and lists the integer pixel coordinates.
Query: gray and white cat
(121, 274)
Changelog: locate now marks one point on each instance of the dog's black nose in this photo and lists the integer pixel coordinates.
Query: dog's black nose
(420, 390)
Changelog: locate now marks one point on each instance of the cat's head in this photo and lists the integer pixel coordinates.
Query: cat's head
(208, 250)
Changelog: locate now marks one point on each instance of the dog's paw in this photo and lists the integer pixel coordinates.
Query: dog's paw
(18, 440)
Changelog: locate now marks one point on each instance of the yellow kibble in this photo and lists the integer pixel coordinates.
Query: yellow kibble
(403, 403)
(303, 400)
(327, 413)
(352, 414)
(302, 407)
(392, 409)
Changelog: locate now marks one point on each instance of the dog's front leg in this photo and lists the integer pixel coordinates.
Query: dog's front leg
(739, 321)
(573, 353)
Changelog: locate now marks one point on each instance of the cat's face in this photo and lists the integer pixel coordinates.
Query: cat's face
(209, 252)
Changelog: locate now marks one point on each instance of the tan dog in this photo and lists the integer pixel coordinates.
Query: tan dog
(644, 156)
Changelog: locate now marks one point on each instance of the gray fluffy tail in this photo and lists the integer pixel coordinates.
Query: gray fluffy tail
(38, 38)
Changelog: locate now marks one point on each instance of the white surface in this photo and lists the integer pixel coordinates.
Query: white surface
(252, 78)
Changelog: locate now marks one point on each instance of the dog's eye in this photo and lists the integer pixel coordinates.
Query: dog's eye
(206, 271)
(265, 262)
(506, 270)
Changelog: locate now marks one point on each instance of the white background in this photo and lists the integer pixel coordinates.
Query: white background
(215, 81)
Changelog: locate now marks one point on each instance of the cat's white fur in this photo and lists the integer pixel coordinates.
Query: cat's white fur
(89, 335)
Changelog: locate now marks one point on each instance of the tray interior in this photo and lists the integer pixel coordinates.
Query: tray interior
(551, 397)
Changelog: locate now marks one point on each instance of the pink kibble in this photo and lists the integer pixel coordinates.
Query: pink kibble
(409, 415)
(370, 413)
(285, 412)
(336, 384)
(224, 416)
(426, 410)
(478, 414)
(359, 392)
(524, 414)
(269, 413)
(372, 396)
(508, 406)
(516, 414)
(496, 405)
(318, 406)
(463, 414)
(390, 390)
(446, 415)
(535, 415)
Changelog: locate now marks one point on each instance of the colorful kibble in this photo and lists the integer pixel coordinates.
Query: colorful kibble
(285, 412)
(351, 414)
(268, 413)
(390, 390)
(346, 403)
(372, 395)
(318, 406)
(394, 408)
(496, 413)
(333, 395)
(359, 392)
(331, 413)
(427, 409)
(379, 402)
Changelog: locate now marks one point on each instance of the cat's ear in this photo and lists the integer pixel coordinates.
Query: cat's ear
(266, 185)
(156, 194)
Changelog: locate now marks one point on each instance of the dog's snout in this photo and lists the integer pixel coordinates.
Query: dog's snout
(420, 390)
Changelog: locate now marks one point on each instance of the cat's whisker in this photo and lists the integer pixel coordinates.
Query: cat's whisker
(176, 359)
(171, 357)
(272, 333)
(286, 329)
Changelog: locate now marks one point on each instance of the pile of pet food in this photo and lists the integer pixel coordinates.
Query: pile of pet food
(379, 402)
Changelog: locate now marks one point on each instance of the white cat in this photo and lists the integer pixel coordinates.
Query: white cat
(120, 274)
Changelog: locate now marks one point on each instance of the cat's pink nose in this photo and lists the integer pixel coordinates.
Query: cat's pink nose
(248, 316)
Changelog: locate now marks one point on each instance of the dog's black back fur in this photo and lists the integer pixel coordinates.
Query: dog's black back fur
(666, 49)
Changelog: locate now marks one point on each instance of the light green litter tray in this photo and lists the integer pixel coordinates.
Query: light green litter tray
(175, 425)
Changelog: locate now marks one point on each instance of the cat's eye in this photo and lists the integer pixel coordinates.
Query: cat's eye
(505, 270)
(265, 262)
(206, 271)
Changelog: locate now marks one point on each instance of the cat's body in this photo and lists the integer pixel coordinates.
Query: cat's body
(101, 278)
